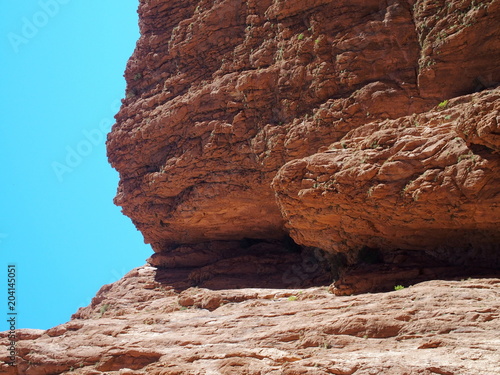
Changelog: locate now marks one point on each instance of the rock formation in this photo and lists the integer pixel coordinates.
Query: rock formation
(142, 326)
(282, 155)
(426, 182)
(355, 109)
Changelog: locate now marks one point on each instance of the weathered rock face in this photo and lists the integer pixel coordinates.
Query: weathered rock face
(221, 94)
(428, 182)
(140, 325)
(366, 131)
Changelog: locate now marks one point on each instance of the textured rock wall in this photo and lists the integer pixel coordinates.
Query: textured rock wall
(425, 182)
(140, 326)
(222, 94)
(361, 128)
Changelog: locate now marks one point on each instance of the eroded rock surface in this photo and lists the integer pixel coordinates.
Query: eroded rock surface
(140, 326)
(426, 182)
(366, 131)
(221, 94)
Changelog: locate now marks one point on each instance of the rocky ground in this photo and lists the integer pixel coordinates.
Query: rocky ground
(141, 326)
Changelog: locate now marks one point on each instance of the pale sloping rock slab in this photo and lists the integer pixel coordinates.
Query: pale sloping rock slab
(436, 327)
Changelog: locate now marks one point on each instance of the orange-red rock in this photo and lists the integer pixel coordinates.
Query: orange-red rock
(368, 131)
(426, 182)
(220, 95)
(139, 326)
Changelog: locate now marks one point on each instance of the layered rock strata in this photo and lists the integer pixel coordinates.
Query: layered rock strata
(222, 94)
(263, 146)
(426, 182)
(140, 326)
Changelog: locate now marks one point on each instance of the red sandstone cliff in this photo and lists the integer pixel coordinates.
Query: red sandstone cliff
(337, 102)
(268, 148)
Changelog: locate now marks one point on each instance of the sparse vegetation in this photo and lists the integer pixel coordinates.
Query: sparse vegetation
(326, 345)
(103, 309)
(292, 298)
(443, 104)
(399, 287)
(470, 156)
(407, 186)
(279, 54)
(300, 36)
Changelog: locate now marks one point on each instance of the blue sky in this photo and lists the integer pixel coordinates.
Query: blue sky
(62, 63)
